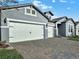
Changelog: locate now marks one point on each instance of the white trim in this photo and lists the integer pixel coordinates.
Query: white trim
(56, 29)
(30, 11)
(9, 19)
(51, 25)
(26, 11)
(4, 26)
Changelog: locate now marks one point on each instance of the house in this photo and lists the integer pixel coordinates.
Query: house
(51, 25)
(22, 23)
(64, 26)
(77, 27)
(49, 14)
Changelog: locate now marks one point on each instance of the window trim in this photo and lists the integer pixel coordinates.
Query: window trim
(34, 12)
(26, 11)
(70, 28)
(30, 11)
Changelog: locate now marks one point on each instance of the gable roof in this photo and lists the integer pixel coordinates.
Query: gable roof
(23, 5)
(71, 20)
(67, 19)
(49, 13)
(77, 22)
(57, 19)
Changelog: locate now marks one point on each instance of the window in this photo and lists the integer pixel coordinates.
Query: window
(33, 12)
(78, 31)
(28, 10)
(5, 20)
(69, 28)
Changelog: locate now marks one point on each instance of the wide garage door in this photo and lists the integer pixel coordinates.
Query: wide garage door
(50, 31)
(23, 32)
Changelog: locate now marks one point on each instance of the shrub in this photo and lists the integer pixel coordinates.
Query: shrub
(75, 38)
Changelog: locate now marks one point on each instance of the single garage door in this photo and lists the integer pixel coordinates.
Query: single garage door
(50, 31)
(23, 32)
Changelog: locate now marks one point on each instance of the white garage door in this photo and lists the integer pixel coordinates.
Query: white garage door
(24, 32)
(50, 32)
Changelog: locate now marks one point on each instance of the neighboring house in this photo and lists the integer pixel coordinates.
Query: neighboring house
(77, 27)
(51, 25)
(64, 26)
(22, 23)
(49, 14)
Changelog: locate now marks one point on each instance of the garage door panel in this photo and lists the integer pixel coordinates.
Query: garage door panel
(36, 33)
(25, 32)
(50, 32)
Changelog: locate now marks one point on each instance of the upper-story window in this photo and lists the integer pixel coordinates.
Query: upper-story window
(30, 11)
(33, 12)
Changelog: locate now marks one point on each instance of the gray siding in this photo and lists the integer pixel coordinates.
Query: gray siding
(5, 34)
(20, 15)
(62, 29)
(4, 30)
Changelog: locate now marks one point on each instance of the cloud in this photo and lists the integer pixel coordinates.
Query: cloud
(72, 2)
(68, 8)
(53, 1)
(21, 0)
(63, 1)
(41, 5)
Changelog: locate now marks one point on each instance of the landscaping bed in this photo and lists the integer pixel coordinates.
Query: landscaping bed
(74, 38)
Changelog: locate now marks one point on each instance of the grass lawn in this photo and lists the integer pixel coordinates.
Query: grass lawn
(9, 54)
(74, 38)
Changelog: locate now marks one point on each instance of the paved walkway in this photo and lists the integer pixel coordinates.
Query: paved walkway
(56, 48)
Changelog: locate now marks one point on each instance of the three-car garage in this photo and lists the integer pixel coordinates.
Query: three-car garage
(24, 23)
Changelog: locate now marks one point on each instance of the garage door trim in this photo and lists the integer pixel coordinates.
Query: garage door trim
(52, 33)
(24, 21)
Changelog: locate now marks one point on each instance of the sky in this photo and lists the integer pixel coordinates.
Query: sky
(59, 8)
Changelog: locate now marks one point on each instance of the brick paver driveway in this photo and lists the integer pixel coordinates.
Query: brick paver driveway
(55, 48)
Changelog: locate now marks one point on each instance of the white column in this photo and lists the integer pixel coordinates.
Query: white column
(56, 29)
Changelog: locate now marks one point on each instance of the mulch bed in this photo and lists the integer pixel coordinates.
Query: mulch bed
(3, 44)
